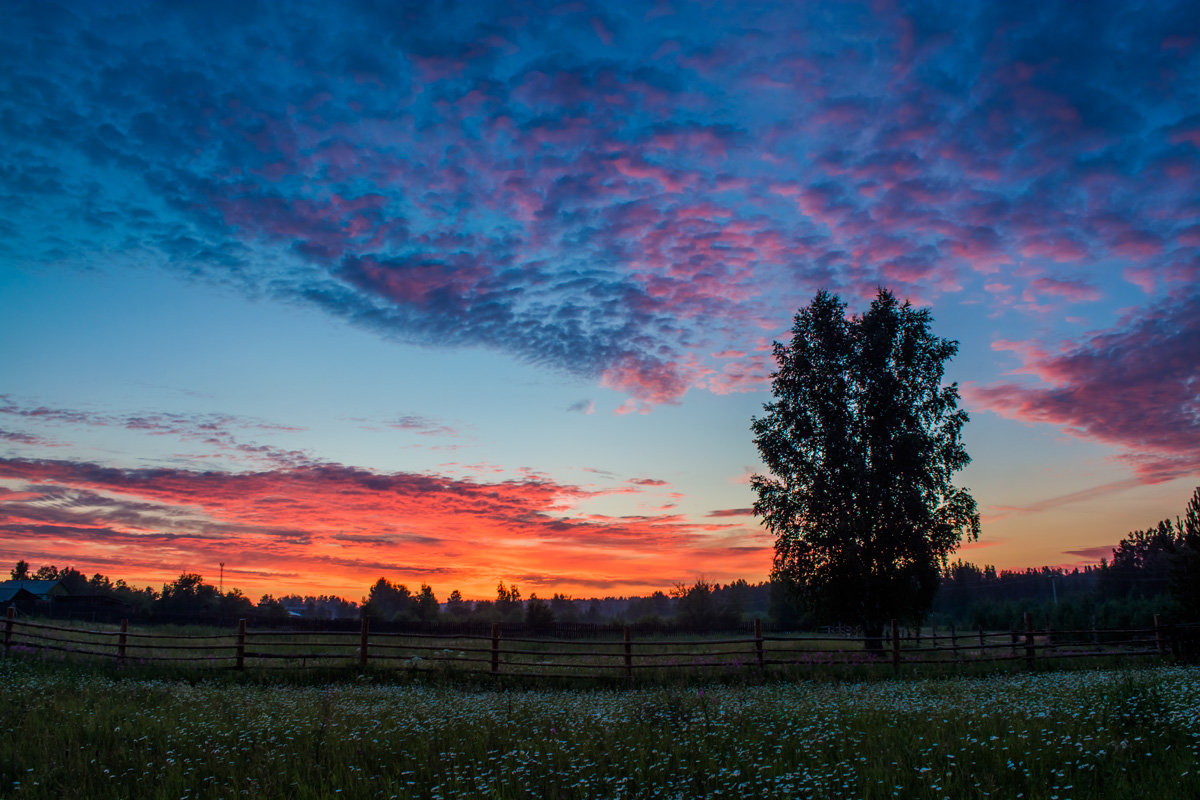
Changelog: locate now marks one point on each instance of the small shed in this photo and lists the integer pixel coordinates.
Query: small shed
(19, 598)
(42, 590)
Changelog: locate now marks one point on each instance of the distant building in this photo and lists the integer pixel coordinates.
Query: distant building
(43, 590)
(29, 596)
(51, 597)
(294, 611)
(19, 599)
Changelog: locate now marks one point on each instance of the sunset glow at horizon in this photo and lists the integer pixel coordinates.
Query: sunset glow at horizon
(487, 292)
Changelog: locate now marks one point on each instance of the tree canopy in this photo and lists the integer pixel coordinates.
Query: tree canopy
(1185, 571)
(862, 440)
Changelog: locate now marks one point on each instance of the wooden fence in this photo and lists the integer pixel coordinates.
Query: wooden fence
(567, 658)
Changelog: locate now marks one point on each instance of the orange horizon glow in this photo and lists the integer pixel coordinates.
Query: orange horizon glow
(336, 530)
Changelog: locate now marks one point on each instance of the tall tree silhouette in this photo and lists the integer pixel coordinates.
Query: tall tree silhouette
(1185, 570)
(861, 441)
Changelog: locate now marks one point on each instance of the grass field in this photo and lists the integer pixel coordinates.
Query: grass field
(80, 730)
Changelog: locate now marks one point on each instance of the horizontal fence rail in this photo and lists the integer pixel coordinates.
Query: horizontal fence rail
(589, 658)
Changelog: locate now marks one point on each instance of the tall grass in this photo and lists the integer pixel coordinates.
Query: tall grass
(75, 730)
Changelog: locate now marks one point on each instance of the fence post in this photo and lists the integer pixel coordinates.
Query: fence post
(363, 633)
(8, 623)
(628, 654)
(1158, 634)
(1028, 640)
(954, 642)
(121, 639)
(758, 643)
(241, 645)
(895, 645)
(981, 644)
(495, 648)
(1050, 637)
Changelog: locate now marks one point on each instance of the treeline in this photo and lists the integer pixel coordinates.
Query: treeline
(1153, 571)
(701, 606)
(186, 596)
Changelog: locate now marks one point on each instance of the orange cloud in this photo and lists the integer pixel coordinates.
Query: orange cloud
(334, 529)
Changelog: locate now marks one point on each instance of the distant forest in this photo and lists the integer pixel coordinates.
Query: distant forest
(1153, 571)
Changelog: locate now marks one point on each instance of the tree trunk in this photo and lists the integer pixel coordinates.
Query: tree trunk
(873, 638)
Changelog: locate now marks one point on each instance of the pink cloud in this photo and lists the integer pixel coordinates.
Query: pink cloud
(984, 255)
(1074, 291)
(732, 512)
(1181, 42)
(1132, 387)
(1057, 248)
(649, 382)
(602, 31)
(1186, 134)
(1103, 551)
(747, 375)
(1144, 278)
(416, 281)
(219, 431)
(638, 169)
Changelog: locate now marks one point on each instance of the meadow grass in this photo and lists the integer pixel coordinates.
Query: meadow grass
(71, 729)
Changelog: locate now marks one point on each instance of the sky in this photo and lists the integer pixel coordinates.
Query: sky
(459, 293)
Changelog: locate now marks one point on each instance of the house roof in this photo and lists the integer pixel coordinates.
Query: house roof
(41, 589)
(11, 593)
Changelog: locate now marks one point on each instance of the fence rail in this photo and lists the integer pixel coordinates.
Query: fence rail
(568, 658)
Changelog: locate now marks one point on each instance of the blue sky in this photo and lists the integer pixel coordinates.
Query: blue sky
(459, 293)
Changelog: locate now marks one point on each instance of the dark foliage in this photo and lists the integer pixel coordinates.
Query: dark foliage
(189, 595)
(388, 601)
(1184, 572)
(538, 614)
